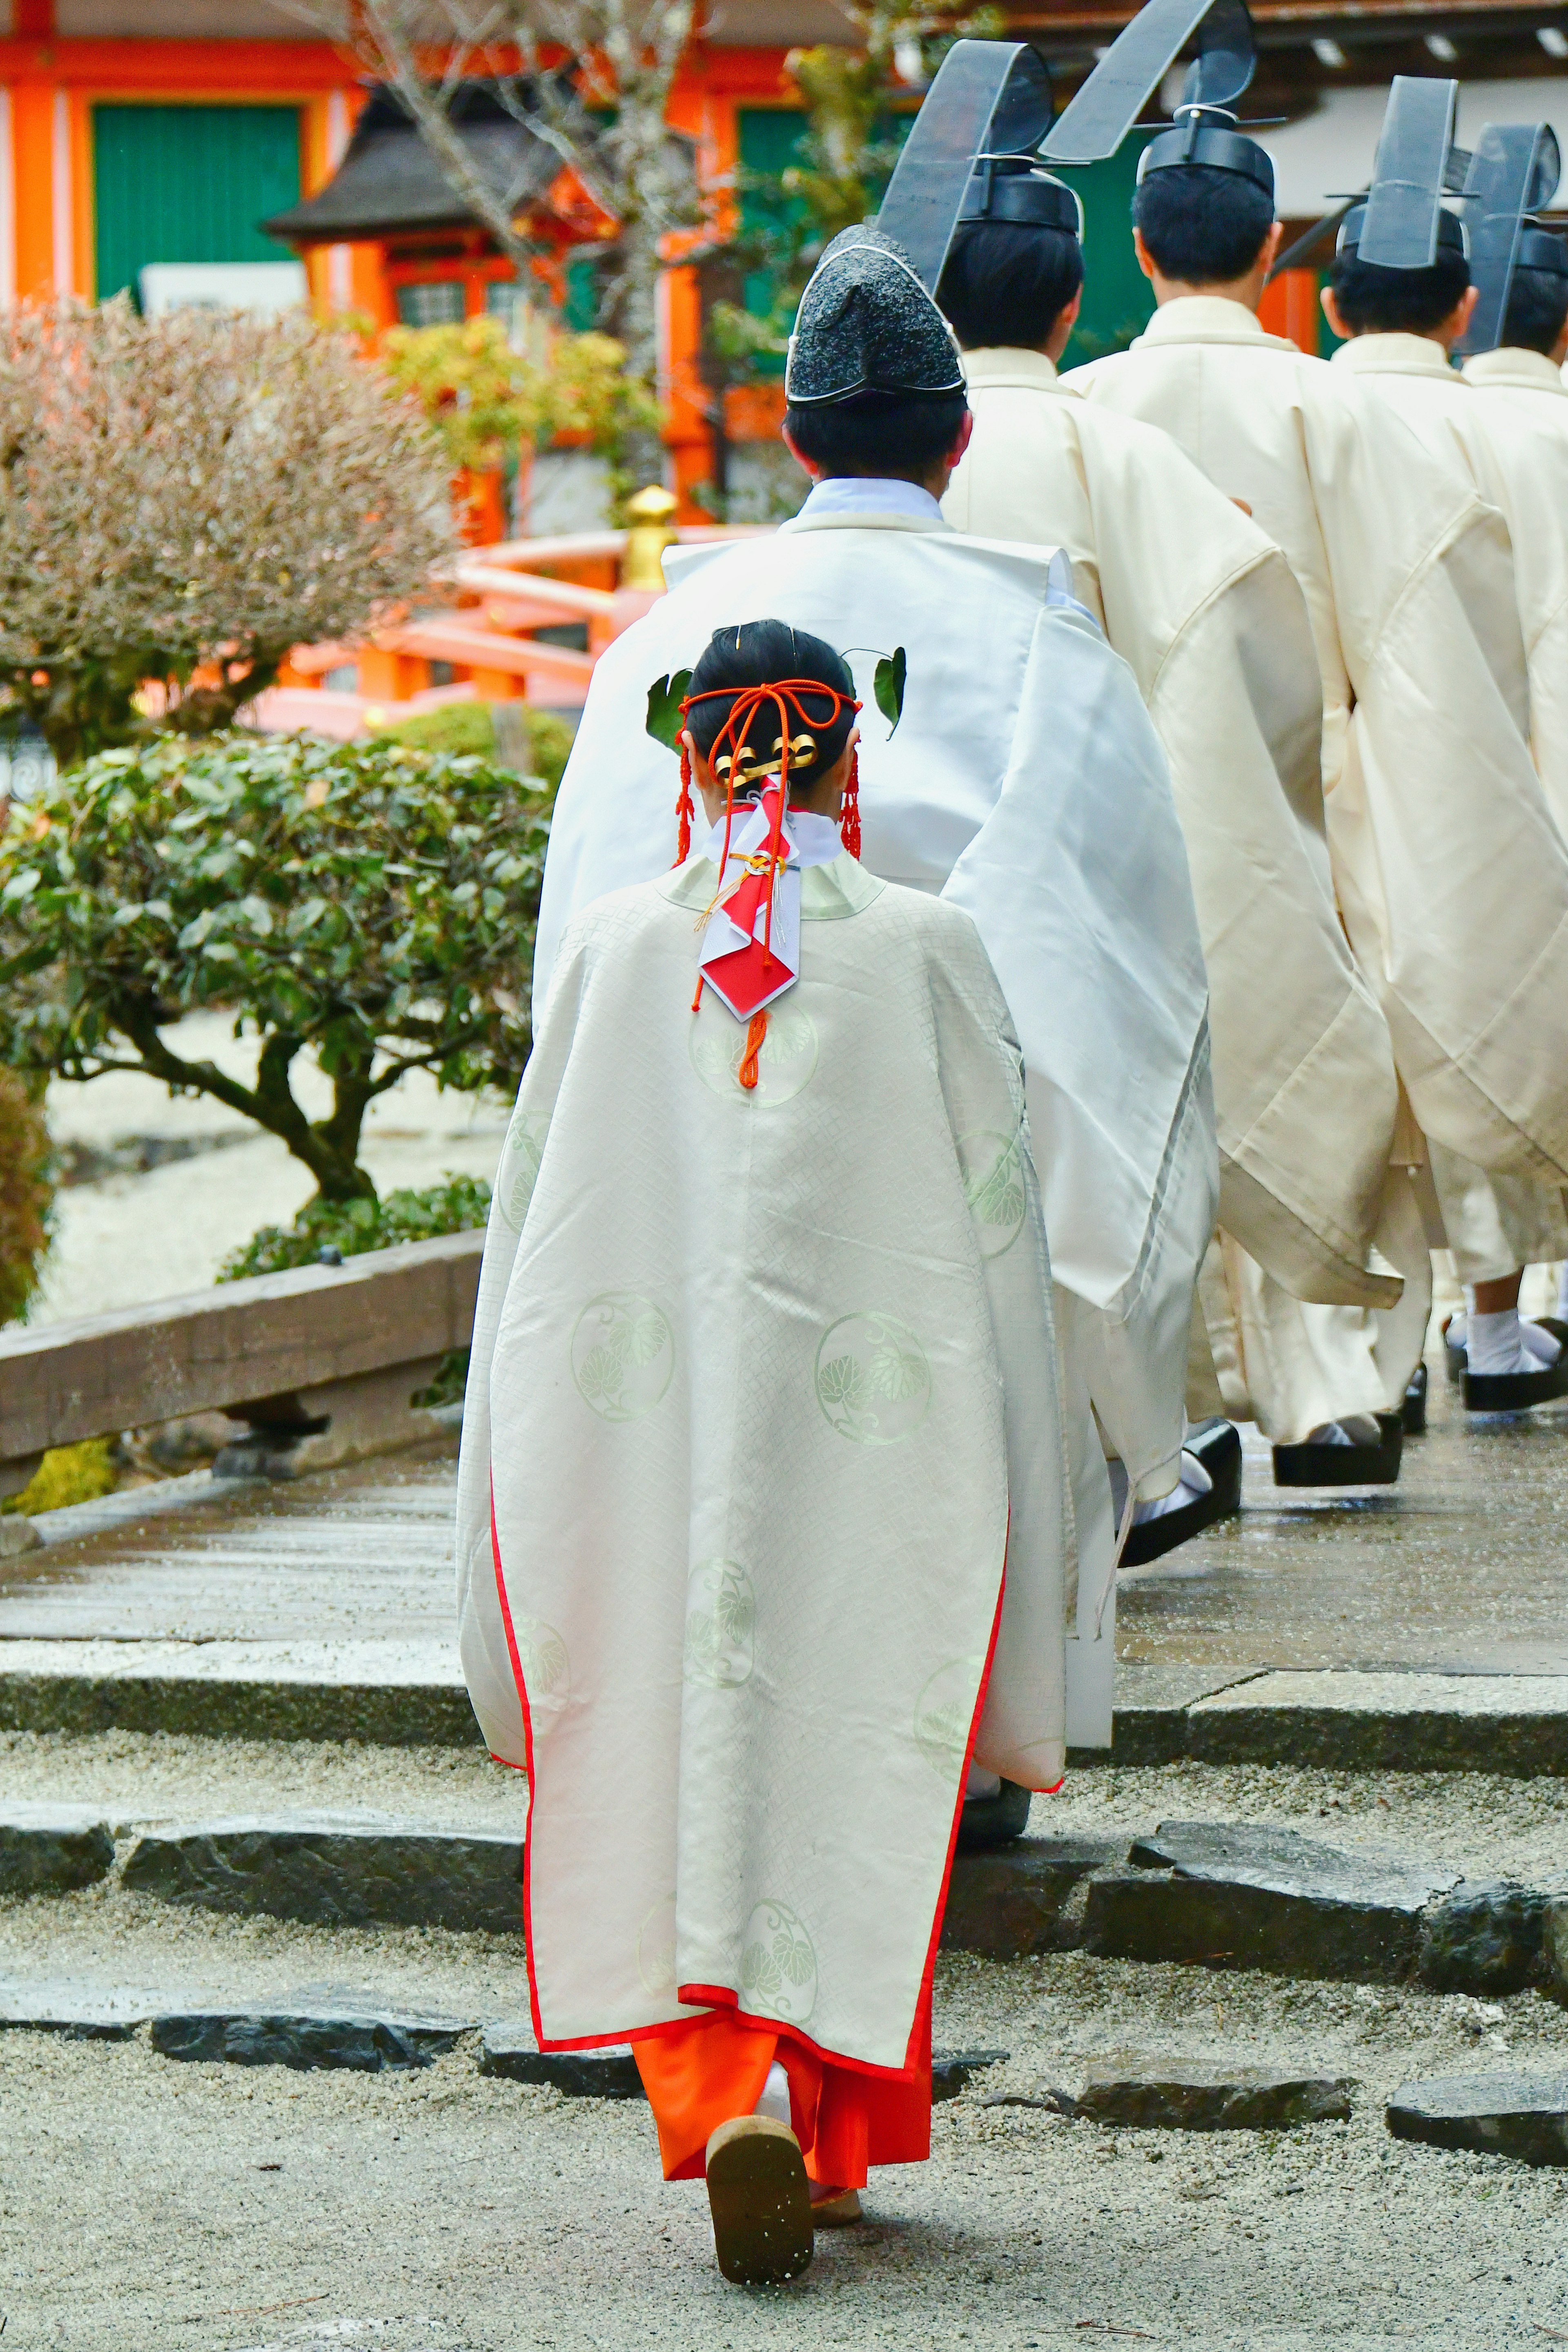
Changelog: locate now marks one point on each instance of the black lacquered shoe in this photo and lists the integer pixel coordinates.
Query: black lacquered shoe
(1218, 1446)
(1317, 1465)
(1517, 1391)
(1413, 1411)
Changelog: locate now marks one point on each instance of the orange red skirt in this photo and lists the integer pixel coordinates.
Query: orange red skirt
(699, 2073)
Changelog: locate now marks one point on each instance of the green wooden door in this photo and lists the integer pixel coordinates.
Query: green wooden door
(189, 184)
(1118, 300)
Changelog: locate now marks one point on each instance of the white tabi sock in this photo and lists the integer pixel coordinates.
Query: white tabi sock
(1354, 1429)
(1541, 1345)
(1501, 1344)
(775, 2101)
(1563, 1292)
(1193, 1483)
(981, 1783)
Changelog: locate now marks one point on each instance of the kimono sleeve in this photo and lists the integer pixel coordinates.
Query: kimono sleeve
(483, 1639)
(1022, 1730)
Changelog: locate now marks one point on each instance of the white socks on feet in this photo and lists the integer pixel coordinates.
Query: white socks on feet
(1193, 1483)
(1501, 1344)
(775, 2101)
(1352, 1429)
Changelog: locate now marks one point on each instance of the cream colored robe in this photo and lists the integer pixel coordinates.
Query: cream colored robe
(1026, 785)
(1210, 619)
(763, 1392)
(1408, 579)
(1506, 420)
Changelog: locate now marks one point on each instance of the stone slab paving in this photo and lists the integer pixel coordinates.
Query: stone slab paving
(1416, 1628)
(1515, 2115)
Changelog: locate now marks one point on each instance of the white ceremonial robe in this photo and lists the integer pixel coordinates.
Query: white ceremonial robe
(1026, 785)
(1406, 575)
(1506, 420)
(1408, 579)
(762, 1464)
(1208, 616)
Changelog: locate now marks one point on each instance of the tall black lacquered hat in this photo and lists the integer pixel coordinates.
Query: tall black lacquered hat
(867, 324)
(970, 155)
(1401, 220)
(1204, 128)
(1513, 173)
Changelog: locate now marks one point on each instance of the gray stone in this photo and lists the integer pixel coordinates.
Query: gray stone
(17, 1535)
(1521, 2116)
(1245, 1896)
(80, 2011)
(1173, 2096)
(952, 2070)
(336, 1871)
(304, 2039)
(1016, 1900)
(1485, 1938)
(239, 1705)
(509, 2050)
(49, 1849)
(1347, 1719)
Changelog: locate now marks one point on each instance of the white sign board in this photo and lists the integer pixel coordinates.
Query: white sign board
(263, 287)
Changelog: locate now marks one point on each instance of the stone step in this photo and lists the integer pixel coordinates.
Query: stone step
(335, 1870)
(408, 1693)
(392, 1694)
(303, 2039)
(1154, 2095)
(1521, 2116)
(1243, 1896)
(1222, 1895)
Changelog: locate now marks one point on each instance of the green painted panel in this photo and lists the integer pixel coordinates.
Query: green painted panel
(189, 184)
(1118, 300)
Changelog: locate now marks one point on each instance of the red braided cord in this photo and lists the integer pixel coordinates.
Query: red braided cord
(749, 699)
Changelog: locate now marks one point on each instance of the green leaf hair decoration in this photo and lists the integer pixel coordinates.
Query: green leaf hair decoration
(892, 669)
(665, 696)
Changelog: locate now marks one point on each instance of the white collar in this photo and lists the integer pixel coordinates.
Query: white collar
(869, 494)
(814, 839)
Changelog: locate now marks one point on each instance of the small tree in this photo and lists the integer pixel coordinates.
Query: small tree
(373, 906)
(483, 398)
(605, 116)
(195, 493)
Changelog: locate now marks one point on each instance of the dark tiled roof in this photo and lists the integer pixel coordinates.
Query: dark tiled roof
(389, 182)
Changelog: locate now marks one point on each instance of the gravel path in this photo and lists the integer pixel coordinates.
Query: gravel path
(166, 2205)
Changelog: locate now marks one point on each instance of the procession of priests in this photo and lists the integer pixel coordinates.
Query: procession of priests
(1035, 957)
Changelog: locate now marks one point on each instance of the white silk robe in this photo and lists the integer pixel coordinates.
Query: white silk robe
(1026, 786)
(1408, 579)
(763, 1464)
(1209, 617)
(1506, 422)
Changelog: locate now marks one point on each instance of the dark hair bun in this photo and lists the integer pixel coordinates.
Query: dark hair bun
(763, 653)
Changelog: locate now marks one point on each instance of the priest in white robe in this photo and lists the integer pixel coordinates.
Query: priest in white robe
(1023, 784)
(1399, 328)
(763, 1502)
(1408, 579)
(1208, 615)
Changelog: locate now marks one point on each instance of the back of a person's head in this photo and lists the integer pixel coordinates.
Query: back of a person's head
(1373, 300)
(767, 653)
(898, 436)
(1202, 226)
(1537, 311)
(1007, 282)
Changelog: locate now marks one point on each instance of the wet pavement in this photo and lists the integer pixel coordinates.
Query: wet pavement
(1461, 1567)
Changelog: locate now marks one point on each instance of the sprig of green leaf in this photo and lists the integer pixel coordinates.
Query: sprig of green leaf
(665, 696)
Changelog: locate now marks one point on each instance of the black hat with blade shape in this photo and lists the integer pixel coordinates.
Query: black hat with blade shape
(867, 322)
(970, 154)
(1400, 220)
(1205, 128)
(1513, 174)
(1404, 219)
